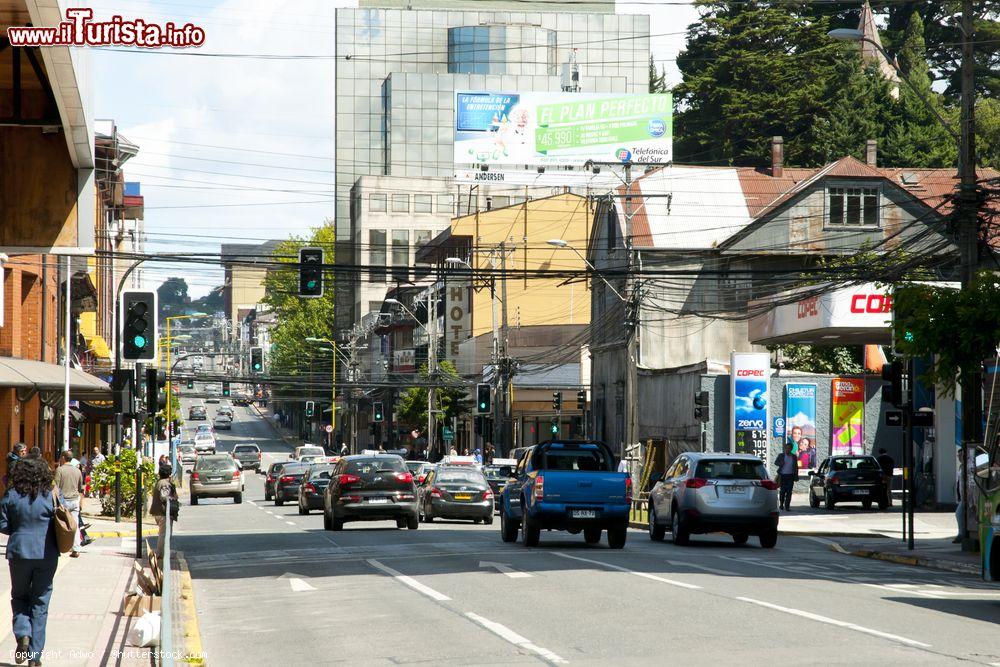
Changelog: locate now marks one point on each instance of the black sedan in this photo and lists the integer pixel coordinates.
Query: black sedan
(272, 474)
(286, 483)
(316, 479)
(850, 479)
(455, 492)
(373, 487)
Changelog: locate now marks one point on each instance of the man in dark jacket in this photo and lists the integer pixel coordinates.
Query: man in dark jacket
(788, 474)
(15, 455)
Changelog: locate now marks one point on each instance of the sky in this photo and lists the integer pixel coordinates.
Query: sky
(241, 150)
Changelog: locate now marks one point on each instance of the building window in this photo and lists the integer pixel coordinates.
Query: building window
(446, 204)
(376, 202)
(853, 206)
(401, 255)
(376, 255)
(421, 203)
(477, 50)
(400, 203)
(611, 232)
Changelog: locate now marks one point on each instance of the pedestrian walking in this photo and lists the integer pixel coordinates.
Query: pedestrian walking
(343, 449)
(158, 506)
(788, 473)
(888, 465)
(19, 452)
(27, 515)
(35, 453)
(69, 482)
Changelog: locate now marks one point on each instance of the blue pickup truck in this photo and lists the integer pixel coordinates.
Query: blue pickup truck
(566, 485)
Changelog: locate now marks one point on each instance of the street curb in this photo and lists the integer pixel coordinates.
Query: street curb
(917, 561)
(120, 533)
(193, 653)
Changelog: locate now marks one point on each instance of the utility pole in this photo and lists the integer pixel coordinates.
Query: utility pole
(431, 364)
(967, 219)
(630, 331)
(505, 364)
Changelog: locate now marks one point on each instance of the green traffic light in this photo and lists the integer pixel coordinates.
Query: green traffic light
(555, 428)
(311, 284)
(139, 341)
(908, 336)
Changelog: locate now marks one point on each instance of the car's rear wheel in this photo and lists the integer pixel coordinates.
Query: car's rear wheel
(279, 501)
(401, 522)
(617, 537)
(656, 531)
(336, 524)
(740, 538)
(268, 496)
(303, 510)
(883, 504)
(508, 528)
(828, 500)
(532, 533)
(476, 520)
(867, 504)
(678, 531)
(593, 535)
(194, 498)
(488, 520)
(327, 523)
(769, 539)
(238, 498)
(412, 523)
(813, 500)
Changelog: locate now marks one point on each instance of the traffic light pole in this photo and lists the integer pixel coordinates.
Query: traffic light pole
(137, 443)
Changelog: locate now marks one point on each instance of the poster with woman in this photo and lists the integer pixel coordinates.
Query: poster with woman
(800, 423)
(848, 422)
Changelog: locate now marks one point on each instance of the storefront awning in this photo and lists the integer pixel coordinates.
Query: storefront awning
(42, 376)
(96, 345)
(854, 315)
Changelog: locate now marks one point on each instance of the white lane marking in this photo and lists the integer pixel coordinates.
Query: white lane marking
(508, 635)
(270, 512)
(644, 575)
(833, 621)
(503, 568)
(300, 585)
(703, 568)
(290, 523)
(408, 581)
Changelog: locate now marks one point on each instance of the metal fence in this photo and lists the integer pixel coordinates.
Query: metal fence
(166, 606)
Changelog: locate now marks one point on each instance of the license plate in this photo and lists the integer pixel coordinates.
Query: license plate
(463, 496)
(215, 479)
(860, 492)
(378, 501)
(584, 514)
(735, 489)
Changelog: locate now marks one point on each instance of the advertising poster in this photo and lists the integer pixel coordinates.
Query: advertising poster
(848, 422)
(749, 380)
(533, 129)
(800, 423)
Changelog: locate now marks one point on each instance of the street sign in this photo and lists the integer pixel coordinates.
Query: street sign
(328, 429)
(893, 417)
(923, 419)
(447, 434)
(779, 427)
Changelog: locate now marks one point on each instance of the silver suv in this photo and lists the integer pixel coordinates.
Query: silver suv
(706, 493)
(216, 476)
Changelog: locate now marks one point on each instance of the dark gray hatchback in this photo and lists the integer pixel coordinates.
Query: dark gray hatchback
(370, 488)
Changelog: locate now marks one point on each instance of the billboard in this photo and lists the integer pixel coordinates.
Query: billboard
(538, 129)
(750, 383)
(848, 419)
(800, 423)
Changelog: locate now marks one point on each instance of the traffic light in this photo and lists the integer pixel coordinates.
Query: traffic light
(156, 398)
(555, 427)
(311, 272)
(190, 384)
(256, 360)
(701, 406)
(581, 400)
(122, 389)
(225, 388)
(482, 398)
(557, 401)
(310, 408)
(894, 392)
(377, 412)
(138, 326)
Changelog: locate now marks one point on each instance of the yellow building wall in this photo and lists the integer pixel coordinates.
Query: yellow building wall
(525, 229)
(247, 289)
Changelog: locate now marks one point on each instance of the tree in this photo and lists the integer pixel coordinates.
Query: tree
(453, 401)
(657, 80)
(211, 303)
(172, 298)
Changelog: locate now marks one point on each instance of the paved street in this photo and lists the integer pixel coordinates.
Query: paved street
(272, 587)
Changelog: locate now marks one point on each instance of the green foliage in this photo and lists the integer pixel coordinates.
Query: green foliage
(104, 480)
(657, 79)
(821, 358)
(988, 132)
(172, 298)
(211, 303)
(956, 329)
(455, 402)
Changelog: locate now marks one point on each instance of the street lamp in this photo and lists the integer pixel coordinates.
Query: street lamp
(559, 243)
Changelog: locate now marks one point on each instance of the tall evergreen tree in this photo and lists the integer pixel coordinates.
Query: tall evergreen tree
(657, 79)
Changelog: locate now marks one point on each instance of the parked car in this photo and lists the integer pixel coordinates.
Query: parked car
(852, 479)
(272, 475)
(370, 488)
(286, 484)
(223, 423)
(566, 485)
(197, 413)
(247, 455)
(314, 483)
(186, 452)
(455, 492)
(706, 493)
(216, 476)
(204, 443)
(303, 450)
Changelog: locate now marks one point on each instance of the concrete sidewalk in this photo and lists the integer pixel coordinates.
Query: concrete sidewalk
(285, 434)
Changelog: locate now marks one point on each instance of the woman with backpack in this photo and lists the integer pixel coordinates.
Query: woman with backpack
(158, 505)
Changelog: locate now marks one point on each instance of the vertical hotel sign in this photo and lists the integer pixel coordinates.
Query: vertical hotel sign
(749, 389)
(848, 419)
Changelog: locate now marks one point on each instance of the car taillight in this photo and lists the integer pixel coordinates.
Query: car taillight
(236, 473)
(833, 479)
(286, 479)
(420, 480)
(487, 494)
(345, 480)
(539, 487)
(258, 456)
(696, 483)
(270, 478)
(310, 488)
(436, 492)
(404, 477)
(628, 489)
(194, 476)
(769, 484)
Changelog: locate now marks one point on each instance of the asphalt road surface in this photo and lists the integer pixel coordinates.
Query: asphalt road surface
(273, 588)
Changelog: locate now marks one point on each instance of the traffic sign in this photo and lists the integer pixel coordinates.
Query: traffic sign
(779, 427)
(447, 434)
(329, 428)
(923, 419)
(893, 417)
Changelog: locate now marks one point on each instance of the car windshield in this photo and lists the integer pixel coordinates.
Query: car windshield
(185, 448)
(858, 463)
(214, 464)
(730, 469)
(203, 437)
(582, 457)
(294, 469)
(465, 476)
(374, 465)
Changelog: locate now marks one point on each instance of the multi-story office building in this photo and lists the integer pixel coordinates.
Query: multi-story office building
(399, 65)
